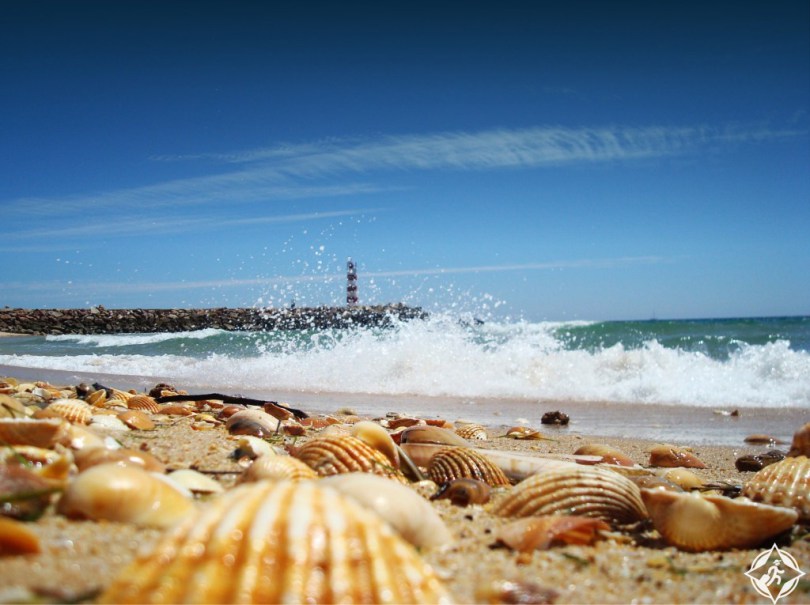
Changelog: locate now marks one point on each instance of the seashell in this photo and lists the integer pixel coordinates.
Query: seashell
(126, 494)
(464, 463)
(404, 422)
(333, 455)
(95, 456)
(520, 591)
(463, 492)
(144, 403)
(23, 493)
(405, 510)
(74, 411)
(756, 462)
(97, 398)
(252, 422)
(278, 468)
(118, 395)
(683, 478)
(195, 481)
(229, 410)
(540, 533)
(524, 432)
(44, 433)
(377, 437)
(609, 455)
(800, 446)
(279, 542)
(424, 433)
(785, 483)
(252, 447)
(760, 439)
(696, 522)
(655, 482)
(472, 431)
(112, 423)
(670, 456)
(32, 456)
(177, 409)
(136, 419)
(589, 491)
(80, 437)
(319, 422)
(17, 539)
(12, 408)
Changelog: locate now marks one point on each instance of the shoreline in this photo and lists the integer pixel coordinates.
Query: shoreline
(679, 424)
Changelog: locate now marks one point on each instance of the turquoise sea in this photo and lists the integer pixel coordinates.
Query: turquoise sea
(747, 362)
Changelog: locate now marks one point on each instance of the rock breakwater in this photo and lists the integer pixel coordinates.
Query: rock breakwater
(99, 320)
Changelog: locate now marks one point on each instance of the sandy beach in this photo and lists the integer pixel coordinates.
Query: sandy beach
(80, 557)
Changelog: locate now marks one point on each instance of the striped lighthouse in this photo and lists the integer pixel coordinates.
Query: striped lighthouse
(351, 283)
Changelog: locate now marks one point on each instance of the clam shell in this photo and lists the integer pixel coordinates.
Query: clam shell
(800, 446)
(94, 456)
(425, 433)
(404, 509)
(463, 492)
(784, 483)
(278, 468)
(45, 432)
(697, 522)
(589, 491)
(472, 431)
(279, 542)
(74, 411)
(683, 478)
(670, 456)
(609, 455)
(463, 463)
(136, 419)
(333, 455)
(252, 422)
(144, 403)
(126, 494)
(539, 533)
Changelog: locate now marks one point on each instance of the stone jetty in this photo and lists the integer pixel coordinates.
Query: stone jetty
(100, 320)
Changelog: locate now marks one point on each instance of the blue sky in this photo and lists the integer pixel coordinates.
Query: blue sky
(569, 160)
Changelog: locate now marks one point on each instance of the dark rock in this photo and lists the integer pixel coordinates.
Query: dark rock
(556, 417)
(757, 462)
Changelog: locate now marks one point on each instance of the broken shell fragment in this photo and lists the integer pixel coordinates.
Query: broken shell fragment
(524, 432)
(16, 538)
(800, 446)
(126, 494)
(279, 542)
(277, 468)
(590, 491)
(137, 420)
(45, 432)
(784, 483)
(464, 463)
(24, 494)
(463, 492)
(540, 533)
(697, 523)
(195, 481)
(609, 455)
(333, 455)
(12, 408)
(400, 506)
(671, 456)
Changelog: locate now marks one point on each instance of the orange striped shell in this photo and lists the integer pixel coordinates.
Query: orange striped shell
(464, 463)
(332, 455)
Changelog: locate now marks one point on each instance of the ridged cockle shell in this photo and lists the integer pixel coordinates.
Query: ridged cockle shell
(279, 542)
(75, 411)
(590, 491)
(784, 483)
(801, 442)
(540, 533)
(333, 455)
(404, 509)
(697, 522)
(472, 431)
(144, 403)
(464, 463)
(45, 432)
(126, 494)
(272, 467)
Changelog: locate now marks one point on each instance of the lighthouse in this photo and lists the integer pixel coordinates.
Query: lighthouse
(351, 283)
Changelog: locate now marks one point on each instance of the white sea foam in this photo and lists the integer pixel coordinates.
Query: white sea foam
(446, 358)
(124, 340)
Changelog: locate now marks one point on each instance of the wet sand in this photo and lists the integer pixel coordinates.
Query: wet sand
(79, 558)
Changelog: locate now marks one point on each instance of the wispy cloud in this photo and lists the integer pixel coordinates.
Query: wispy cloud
(152, 287)
(321, 168)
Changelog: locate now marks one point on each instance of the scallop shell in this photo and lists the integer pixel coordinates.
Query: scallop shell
(670, 456)
(472, 431)
(45, 432)
(784, 483)
(144, 403)
(697, 523)
(463, 463)
(279, 542)
(126, 494)
(609, 455)
(801, 442)
(75, 411)
(97, 398)
(333, 455)
(539, 533)
(589, 491)
(277, 468)
(115, 395)
(404, 509)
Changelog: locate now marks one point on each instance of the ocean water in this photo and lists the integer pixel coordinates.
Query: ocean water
(760, 362)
